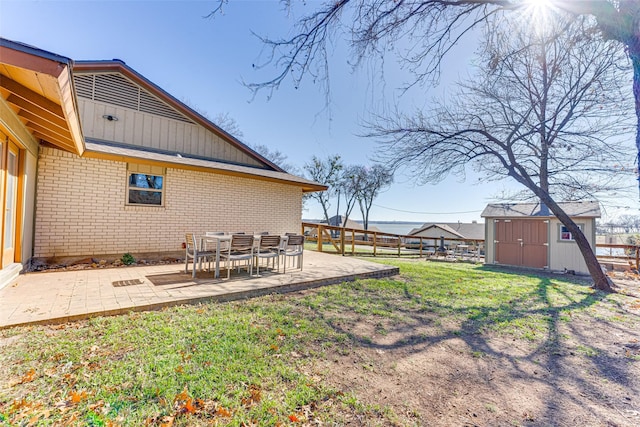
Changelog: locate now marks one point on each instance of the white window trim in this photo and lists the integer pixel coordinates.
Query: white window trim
(135, 168)
(561, 226)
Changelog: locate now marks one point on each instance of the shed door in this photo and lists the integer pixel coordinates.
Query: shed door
(521, 242)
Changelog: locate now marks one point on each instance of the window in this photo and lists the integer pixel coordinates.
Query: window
(145, 185)
(565, 234)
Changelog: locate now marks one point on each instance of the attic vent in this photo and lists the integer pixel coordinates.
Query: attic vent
(118, 90)
(84, 85)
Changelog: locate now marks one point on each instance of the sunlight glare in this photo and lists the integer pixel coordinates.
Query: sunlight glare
(538, 12)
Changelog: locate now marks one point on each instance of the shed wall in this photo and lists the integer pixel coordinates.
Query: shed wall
(81, 208)
(565, 254)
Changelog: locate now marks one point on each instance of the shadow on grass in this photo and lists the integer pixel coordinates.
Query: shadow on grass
(547, 311)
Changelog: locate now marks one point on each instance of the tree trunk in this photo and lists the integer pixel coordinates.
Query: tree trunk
(634, 54)
(600, 280)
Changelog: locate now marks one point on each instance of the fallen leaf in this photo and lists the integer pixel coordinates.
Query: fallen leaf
(223, 412)
(29, 376)
(18, 404)
(293, 418)
(76, 397)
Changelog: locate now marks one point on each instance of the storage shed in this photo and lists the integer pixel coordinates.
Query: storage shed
(529, 235)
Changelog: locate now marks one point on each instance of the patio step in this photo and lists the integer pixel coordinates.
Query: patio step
(9, 274)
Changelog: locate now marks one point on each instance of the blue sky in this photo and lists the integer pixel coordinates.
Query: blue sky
(202, 62)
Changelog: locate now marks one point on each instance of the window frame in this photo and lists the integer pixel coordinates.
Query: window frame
(561, 232)
(139, 169)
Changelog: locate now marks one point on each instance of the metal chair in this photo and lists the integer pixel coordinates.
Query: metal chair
(294, 249)
(240, 249)
(195, 252)
(268, 248)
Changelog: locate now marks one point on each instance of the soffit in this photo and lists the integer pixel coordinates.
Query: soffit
(39, 90)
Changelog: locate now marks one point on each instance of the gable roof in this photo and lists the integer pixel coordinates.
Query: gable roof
(464, 230)
(38, 86)
(118, 66)
(587, 209)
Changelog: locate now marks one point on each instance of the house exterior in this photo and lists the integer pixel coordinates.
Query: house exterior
(529, 235)
(98, 160)
(472, 231)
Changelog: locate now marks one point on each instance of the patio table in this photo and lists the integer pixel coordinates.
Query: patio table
(219, 239)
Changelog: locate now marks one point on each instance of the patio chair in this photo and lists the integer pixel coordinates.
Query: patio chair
(196, 253)
(239, 249)
(268, 248)
(293, 249)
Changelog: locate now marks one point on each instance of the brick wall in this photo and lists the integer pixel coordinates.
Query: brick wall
(80, 208)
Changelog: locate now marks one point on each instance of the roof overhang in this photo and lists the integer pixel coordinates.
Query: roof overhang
(38, 87)
(106, 151)
(584, 209)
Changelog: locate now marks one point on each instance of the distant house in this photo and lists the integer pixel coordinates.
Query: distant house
(529, 235)
(451, 230)
(98, 160)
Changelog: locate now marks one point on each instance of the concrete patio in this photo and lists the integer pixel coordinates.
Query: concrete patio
(61, 296)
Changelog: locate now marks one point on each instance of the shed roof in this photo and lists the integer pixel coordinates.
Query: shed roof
(108, 151)
(586, 209)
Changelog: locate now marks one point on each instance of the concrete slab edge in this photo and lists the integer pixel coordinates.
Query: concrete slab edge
(233, 296)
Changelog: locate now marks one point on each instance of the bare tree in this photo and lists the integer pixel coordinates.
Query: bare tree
(546, 109)
(229, 125)
(630, 223)
(326, 172)
(375, 179)
(351, 184)
(277, 157)
(430, 28)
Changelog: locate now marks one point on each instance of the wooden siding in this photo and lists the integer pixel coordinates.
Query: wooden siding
(147, 130)
(566, 254)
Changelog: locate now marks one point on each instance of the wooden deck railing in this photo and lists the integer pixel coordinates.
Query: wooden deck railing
(345, 240)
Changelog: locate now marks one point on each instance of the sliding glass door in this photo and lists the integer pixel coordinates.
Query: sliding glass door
(9, 198)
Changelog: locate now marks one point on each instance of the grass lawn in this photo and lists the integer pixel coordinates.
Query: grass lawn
(265, 361)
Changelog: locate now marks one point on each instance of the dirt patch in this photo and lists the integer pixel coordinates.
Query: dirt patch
(421, 372)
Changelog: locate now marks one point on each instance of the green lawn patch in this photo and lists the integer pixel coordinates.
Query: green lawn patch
(251, 362)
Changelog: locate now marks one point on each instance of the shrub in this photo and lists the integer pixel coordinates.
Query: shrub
(128, 259)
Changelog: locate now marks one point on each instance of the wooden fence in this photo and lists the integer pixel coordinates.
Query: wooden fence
(354, 241)
(631, 253)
